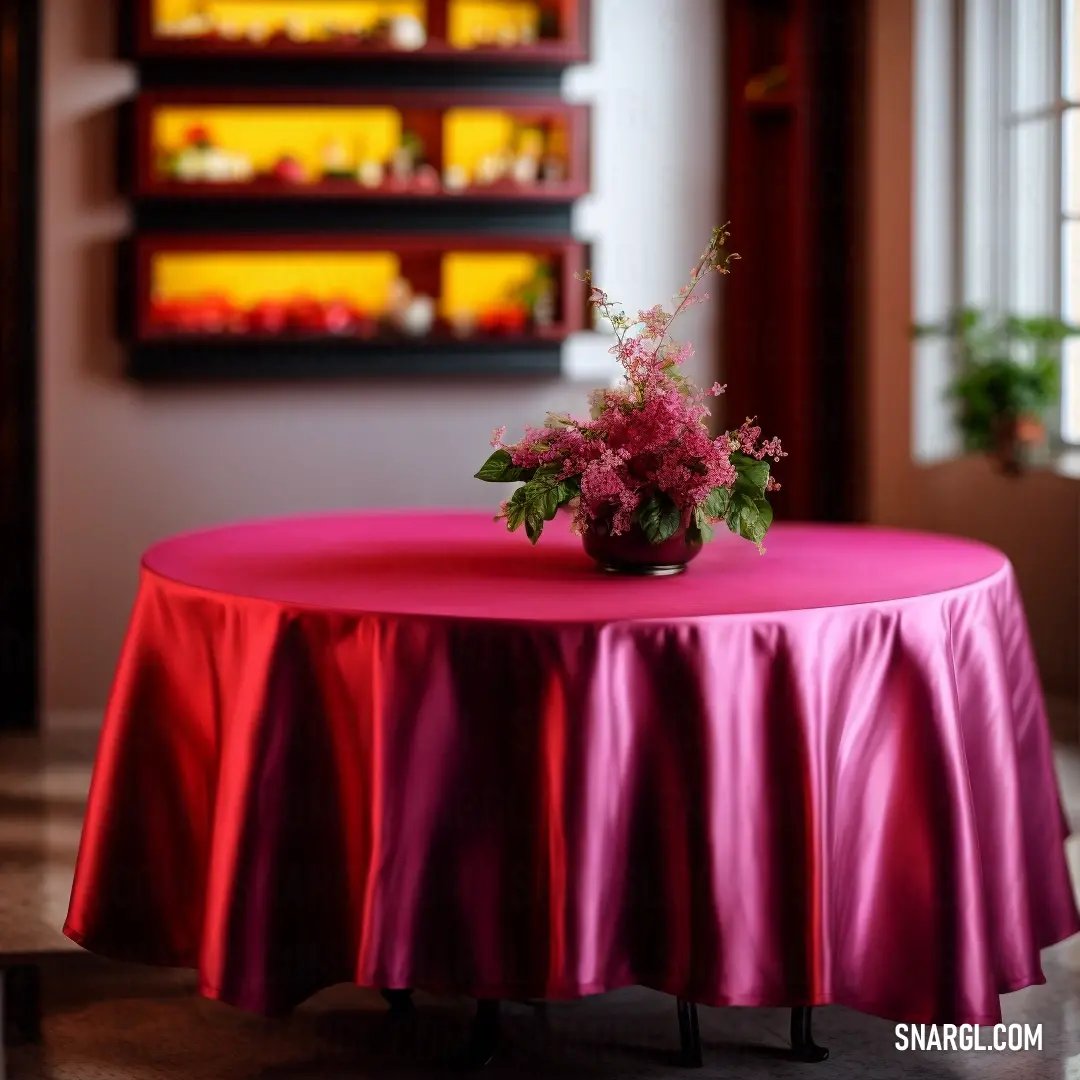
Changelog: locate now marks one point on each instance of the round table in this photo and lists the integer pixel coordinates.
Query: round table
(411, 750)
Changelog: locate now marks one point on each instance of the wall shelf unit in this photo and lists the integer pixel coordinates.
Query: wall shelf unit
(527, 32)
(325, 188)
(395, 303)
(388, 145)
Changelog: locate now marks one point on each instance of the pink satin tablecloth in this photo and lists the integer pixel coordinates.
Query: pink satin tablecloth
(409, 750)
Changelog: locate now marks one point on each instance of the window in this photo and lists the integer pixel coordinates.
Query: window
(1070, 212)
(998, 181)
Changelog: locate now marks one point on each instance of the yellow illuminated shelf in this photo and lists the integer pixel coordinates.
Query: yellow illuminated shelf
(470, 23)
(519, 30)
(260, 136)
(256, 21)
(332, 144)
(477, 23)
(248, 278)
(471, 284)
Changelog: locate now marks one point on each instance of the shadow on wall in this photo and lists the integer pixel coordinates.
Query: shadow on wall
(84, 107)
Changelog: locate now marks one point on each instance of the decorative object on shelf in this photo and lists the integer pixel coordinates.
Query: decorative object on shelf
(407, 33)
(426, 178)
(408, 312)
(643, 470)
(200, 161)
(526, 170)
(492, 168)
(528, 150)
(289, 170)
(1007, 378)
(510, 317)
(407, 157)
(539, 296)
(297, 30)
(335, 161)
(463, 324)
(455, 178)
(371, 174)
(214, 315)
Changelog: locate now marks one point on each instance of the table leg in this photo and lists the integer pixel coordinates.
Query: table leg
(689, 1034)
(483, 1041)
(400, 1001)
(20, 1004)
(803, 1047)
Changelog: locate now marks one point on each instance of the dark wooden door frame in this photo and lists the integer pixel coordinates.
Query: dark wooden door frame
(792, 351)
(20, 48)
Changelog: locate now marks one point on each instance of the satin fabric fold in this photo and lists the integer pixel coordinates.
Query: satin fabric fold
(850, 803)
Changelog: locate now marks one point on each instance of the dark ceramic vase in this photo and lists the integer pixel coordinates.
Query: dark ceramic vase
(1015, 441)
(631, 553)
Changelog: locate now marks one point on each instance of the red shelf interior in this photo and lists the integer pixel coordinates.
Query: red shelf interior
(297, 288)
(525, 31)
(324, 144)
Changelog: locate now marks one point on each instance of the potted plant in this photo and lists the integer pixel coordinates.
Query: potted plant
(643, 477)
(1007, 378)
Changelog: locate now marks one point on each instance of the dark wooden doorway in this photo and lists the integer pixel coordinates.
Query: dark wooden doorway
(792, 350)
(19, 96)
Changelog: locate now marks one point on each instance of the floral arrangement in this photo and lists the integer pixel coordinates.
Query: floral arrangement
(645, 458)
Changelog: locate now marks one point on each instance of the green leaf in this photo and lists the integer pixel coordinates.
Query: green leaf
(700, 528)
(749, 516)
(716, 504)
(659, 519)
(753, 474)
(516, 510)
(539, 500)
(500, 469)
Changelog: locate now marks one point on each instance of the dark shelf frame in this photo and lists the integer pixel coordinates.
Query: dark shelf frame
(230, 360)
(562, 52)
(424, 109)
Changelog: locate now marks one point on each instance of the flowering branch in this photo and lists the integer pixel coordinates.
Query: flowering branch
(645, 458)
(708, 262)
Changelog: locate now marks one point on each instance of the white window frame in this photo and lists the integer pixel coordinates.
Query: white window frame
(990, 212)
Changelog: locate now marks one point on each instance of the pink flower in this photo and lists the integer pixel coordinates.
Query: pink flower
(497, 434)
(656, 321)
(649, 435)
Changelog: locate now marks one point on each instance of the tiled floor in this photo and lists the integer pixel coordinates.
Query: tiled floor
(43, 788)
(109, 1022)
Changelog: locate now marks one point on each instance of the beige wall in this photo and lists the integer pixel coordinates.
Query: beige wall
(124, 466)
(1035, 520)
